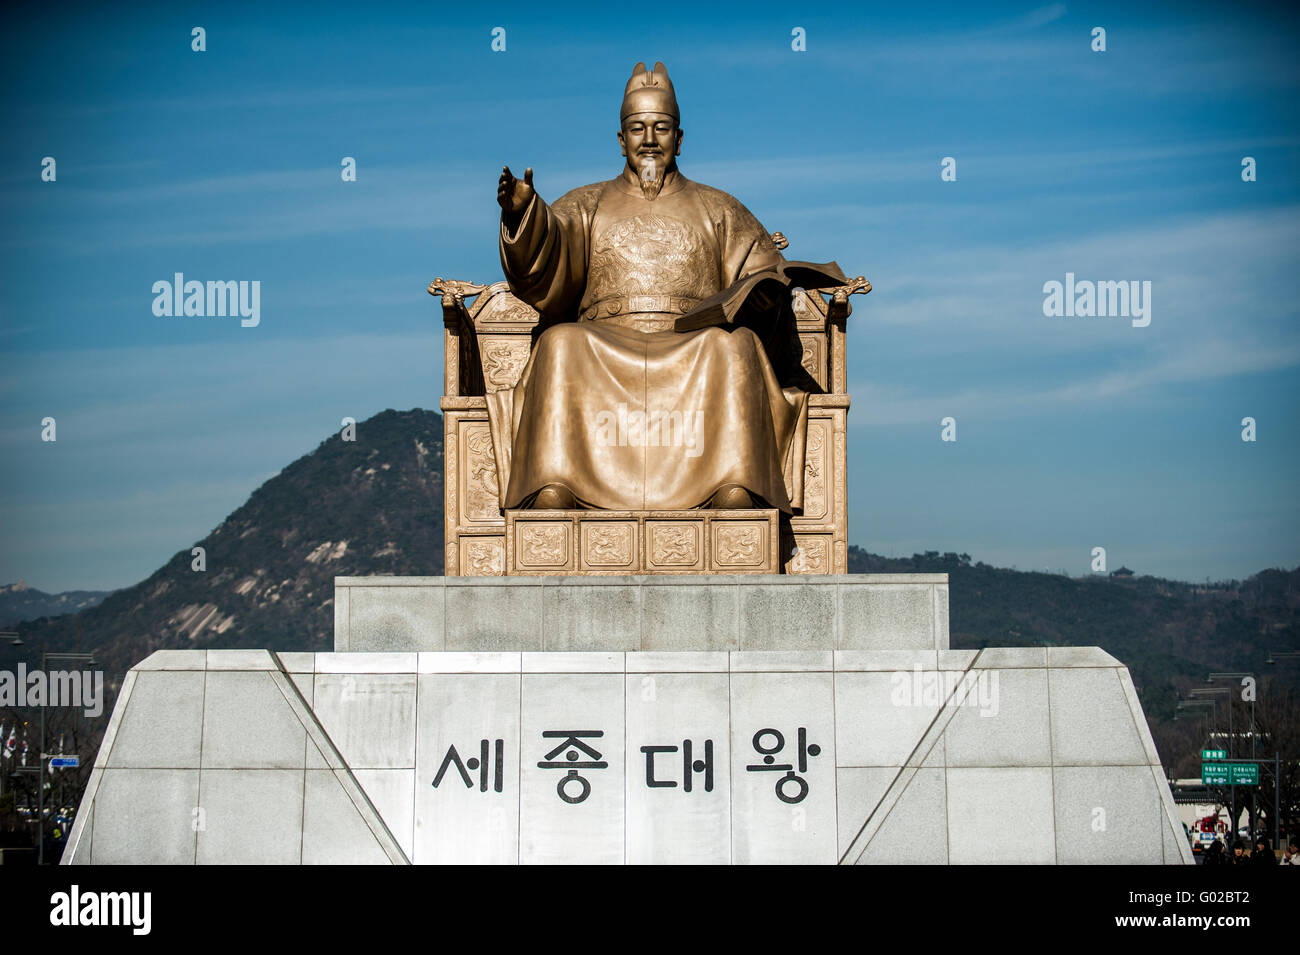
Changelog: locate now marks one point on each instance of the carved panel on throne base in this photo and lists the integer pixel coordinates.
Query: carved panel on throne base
(547, 543)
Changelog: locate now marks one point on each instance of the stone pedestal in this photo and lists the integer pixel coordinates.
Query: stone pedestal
(631, 720)
(700, 612)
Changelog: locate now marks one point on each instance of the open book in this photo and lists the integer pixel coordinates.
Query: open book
(758, 293)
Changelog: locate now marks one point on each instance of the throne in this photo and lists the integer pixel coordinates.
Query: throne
(486, 344)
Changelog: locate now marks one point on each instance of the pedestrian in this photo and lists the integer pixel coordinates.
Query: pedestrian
(1214, 854)
(1292, 856)
(1239, 856)
(1263, 854)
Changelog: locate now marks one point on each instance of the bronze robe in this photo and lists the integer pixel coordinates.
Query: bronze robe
(616, 406)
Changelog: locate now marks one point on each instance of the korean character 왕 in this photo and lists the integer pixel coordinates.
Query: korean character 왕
(775, 742)
(690, 766)
(574, 749)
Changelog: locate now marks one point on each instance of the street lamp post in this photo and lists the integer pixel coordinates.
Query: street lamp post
(1232, 789)
(1192, 704)
(46, 658)
(1254, 812)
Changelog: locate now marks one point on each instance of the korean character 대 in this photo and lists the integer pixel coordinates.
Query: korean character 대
(690, 766)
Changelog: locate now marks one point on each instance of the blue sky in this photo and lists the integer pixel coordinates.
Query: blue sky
(1072, 432)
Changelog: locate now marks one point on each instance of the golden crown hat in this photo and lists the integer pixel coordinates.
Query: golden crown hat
(649, 91)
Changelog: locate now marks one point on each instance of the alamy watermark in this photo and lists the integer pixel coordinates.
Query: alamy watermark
(132, 910)
(921, 687)
(1088, 299)
(622, 428)
(79, 688)
(208, 299)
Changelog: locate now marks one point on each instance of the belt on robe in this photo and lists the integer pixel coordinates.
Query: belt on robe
(634, 304)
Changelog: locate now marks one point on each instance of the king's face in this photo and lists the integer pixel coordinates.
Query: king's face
(650, 139)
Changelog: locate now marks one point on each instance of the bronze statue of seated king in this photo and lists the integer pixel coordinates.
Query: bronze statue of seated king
(672, 358)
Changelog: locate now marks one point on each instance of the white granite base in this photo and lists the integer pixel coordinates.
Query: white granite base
(919, 755)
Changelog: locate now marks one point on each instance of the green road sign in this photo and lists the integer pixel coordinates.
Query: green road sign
(1214, 754)
(1229, 774)
(1244, 774)
(1214, 774)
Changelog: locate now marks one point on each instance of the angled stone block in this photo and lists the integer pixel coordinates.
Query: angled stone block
(1016, 657)
(273, 740)
(174, 660)
(1001, 816)
(392, 793)
(914, 830)
(1108, 815)
(334, 832)
(146, 817)
(880, 720)
(1092, 721)
(1177, 850)
(1003, 721)
(241, 660)
(163, 722)
(859, 790)
(251, 817)
(80, 853)
(295, 662)
(306, 684)
(1080, 657)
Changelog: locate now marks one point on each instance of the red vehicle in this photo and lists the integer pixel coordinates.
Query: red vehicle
(1204, 831)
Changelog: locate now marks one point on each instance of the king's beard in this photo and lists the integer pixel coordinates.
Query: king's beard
(651, 177)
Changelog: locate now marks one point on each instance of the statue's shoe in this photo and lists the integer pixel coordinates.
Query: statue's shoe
(554, 497)
(731, 497)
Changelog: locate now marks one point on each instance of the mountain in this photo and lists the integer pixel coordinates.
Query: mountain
(368, 506)
(18, 602)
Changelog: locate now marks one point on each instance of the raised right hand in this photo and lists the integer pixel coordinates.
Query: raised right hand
(513, 195)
